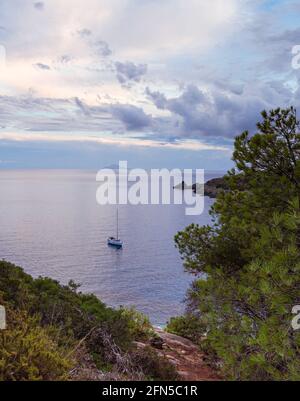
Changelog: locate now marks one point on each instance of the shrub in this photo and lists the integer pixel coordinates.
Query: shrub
(188, 326)
(153, 366)
(64, 317)
(139, 325)
(27, 351)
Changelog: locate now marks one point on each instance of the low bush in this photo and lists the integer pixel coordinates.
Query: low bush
(188, 326)
(153, 366)
(28, 352)
(48, 322)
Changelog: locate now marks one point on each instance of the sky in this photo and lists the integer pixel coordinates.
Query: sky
(159, 83)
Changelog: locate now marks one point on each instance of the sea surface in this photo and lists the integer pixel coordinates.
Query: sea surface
(51, 225)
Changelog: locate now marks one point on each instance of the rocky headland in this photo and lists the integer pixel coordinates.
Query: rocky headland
(211, 188)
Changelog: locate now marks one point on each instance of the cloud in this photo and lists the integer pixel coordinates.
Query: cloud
(83, 33)
(129, 72)
(197, 70)
(134, 118)
(191, 96)
(42, 66)
(39, 5)
(195, 114)
(82, 106)
(217, 113)
(158, 98)
(65, 58)
(117, 141)
(34, 114)
(102, 48)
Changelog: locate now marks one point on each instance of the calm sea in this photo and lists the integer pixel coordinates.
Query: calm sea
(51, 225)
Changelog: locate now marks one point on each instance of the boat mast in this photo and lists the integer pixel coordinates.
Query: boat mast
(117, 223)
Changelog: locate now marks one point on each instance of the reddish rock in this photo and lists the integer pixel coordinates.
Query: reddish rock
(186, 357)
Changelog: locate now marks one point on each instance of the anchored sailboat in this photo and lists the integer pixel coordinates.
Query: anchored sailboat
(116, 242)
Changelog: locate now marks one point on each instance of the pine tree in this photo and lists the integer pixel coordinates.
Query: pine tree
(247, 263)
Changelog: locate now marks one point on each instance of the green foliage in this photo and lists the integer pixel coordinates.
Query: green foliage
(153, 366)
(74, 313)
(248, 262)
(28, 351)
(139, 325)
(67, 315)
(188, 326)
(47, 322)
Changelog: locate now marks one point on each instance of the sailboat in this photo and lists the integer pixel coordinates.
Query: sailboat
(116, 242)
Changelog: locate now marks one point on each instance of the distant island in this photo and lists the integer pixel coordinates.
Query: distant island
(211, 188)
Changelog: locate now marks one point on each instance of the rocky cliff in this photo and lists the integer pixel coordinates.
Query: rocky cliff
(184, 355)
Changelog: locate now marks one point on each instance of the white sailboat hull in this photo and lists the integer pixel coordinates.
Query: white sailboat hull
(115, 242)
